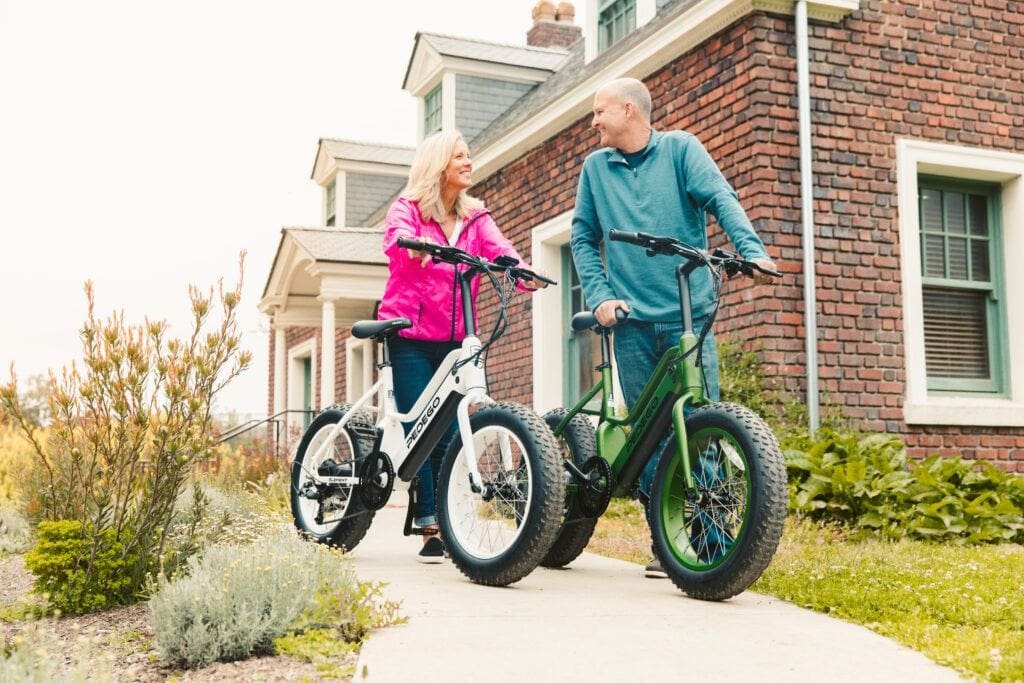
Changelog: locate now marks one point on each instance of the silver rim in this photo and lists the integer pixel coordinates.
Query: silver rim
(335, 507)
(485, 529)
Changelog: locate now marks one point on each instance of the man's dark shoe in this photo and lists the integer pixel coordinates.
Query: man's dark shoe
(655, 571)
(432, 551)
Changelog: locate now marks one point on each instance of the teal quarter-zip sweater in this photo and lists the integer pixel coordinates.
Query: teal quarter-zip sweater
(669, 191)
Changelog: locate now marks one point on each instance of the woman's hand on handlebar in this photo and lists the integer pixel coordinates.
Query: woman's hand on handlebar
(533, 284)
(423, 256)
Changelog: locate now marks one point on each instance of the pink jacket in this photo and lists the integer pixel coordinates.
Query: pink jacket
(427, 296)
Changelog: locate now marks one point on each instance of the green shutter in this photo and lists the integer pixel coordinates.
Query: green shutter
(582, 350)
(331, 200)
(432, 111)
(964, 323)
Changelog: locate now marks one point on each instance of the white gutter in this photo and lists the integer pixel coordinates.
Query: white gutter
(807, 213)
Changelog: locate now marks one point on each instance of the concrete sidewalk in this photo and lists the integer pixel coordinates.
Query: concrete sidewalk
(601, 620)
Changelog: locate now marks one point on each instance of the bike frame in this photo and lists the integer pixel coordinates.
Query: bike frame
(460, 382)
(628, 443)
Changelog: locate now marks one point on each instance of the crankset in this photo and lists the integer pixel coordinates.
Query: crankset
(593, 495)
(376, 480)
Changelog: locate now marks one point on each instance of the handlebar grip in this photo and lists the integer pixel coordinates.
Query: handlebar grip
(406, 243)
(620, 315)
(623, 236)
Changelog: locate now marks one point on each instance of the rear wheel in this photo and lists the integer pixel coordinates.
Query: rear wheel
(578, 444)
(716, 540)
(498, 535)
(331, 514)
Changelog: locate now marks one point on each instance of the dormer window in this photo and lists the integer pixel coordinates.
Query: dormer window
(615, 20)
(432, 111)
(330, 203)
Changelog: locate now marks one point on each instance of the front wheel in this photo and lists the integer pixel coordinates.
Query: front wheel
(331, 514)
(498, 535)
(715, 541)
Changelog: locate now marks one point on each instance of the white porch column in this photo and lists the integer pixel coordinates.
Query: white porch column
(327, 352)
(280, 365)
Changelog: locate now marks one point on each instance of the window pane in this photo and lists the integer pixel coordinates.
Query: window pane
(934, 256)
(958, 258)
(978, 215)
(955, 334)
(956, 222)
(931, 210)
(979, 261)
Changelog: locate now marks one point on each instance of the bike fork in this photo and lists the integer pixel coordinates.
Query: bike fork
(468, 448)
(682, 448)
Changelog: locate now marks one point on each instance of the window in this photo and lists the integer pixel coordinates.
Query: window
(615, 19)
(432, 111)
(582, 350)
(307, 391)
(330, 202)
(960, 286)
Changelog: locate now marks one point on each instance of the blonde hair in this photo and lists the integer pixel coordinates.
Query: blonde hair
(426, 177)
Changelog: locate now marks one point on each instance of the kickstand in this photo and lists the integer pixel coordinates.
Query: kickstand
(408, 530)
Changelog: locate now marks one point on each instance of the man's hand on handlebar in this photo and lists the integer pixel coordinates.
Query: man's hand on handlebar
(605, 313)
(760, 277)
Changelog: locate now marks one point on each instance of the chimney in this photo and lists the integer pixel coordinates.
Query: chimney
(553, 26)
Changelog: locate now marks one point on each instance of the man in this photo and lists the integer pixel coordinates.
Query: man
(662, 183)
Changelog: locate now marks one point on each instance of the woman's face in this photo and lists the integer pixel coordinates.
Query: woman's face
(459, 174)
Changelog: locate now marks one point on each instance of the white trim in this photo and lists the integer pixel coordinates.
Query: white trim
(340, 183)
(296, 355)
(328, 326)
(549, 319)
(914, 157)
(448, 101)
(546, 254)
(675, 38)
(359, 364)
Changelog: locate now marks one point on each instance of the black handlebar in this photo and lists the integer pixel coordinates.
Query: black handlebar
(732, 263)
(449, 254)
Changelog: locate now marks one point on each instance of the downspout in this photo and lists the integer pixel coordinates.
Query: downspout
(807, 213)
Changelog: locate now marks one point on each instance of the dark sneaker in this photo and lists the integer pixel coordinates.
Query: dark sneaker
(432, 551)
(655, 571)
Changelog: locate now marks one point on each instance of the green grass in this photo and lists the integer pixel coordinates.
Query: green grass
(962, 606)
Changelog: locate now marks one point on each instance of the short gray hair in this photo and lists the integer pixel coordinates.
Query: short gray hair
(632, 90)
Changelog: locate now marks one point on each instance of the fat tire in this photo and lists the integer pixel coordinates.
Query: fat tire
(766, 514)
(545, 513)
(580, 442)
(353, 526)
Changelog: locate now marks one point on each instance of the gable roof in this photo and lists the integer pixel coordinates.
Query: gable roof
(543, 58)
(341, 245)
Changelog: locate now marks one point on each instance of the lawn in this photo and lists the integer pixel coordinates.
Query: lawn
(962, 606)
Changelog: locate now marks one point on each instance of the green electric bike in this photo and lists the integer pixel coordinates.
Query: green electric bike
(718, 500)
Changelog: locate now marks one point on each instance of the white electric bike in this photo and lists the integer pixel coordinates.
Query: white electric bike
(500, 489)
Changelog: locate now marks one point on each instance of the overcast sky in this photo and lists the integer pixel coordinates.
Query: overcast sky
(144, 144)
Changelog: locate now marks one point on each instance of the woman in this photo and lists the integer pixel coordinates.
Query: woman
(433, 207)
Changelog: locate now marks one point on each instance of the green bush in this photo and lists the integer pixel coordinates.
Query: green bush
(79, 571)
(236, 600)
(868, 482)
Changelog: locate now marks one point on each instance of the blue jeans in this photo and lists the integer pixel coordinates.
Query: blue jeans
(638, 348)
(414, 363)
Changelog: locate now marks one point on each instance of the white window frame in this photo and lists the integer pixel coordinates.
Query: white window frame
(296, 355)
(360, 359)
(645, 11)
(913, 159)
(547, 240)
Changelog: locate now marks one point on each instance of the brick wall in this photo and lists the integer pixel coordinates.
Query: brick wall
(939, 71)
(298, 335)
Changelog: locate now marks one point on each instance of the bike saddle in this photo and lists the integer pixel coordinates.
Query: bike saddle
(586, 320)
(378, 329)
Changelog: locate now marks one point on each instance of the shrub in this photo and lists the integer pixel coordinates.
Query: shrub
(80, 572)
(236, 600)
(867, 482)
(24, 659)
(126, 431)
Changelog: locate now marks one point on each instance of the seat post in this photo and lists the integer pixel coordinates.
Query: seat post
(385, 352)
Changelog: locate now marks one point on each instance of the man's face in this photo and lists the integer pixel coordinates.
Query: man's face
(610, 118)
